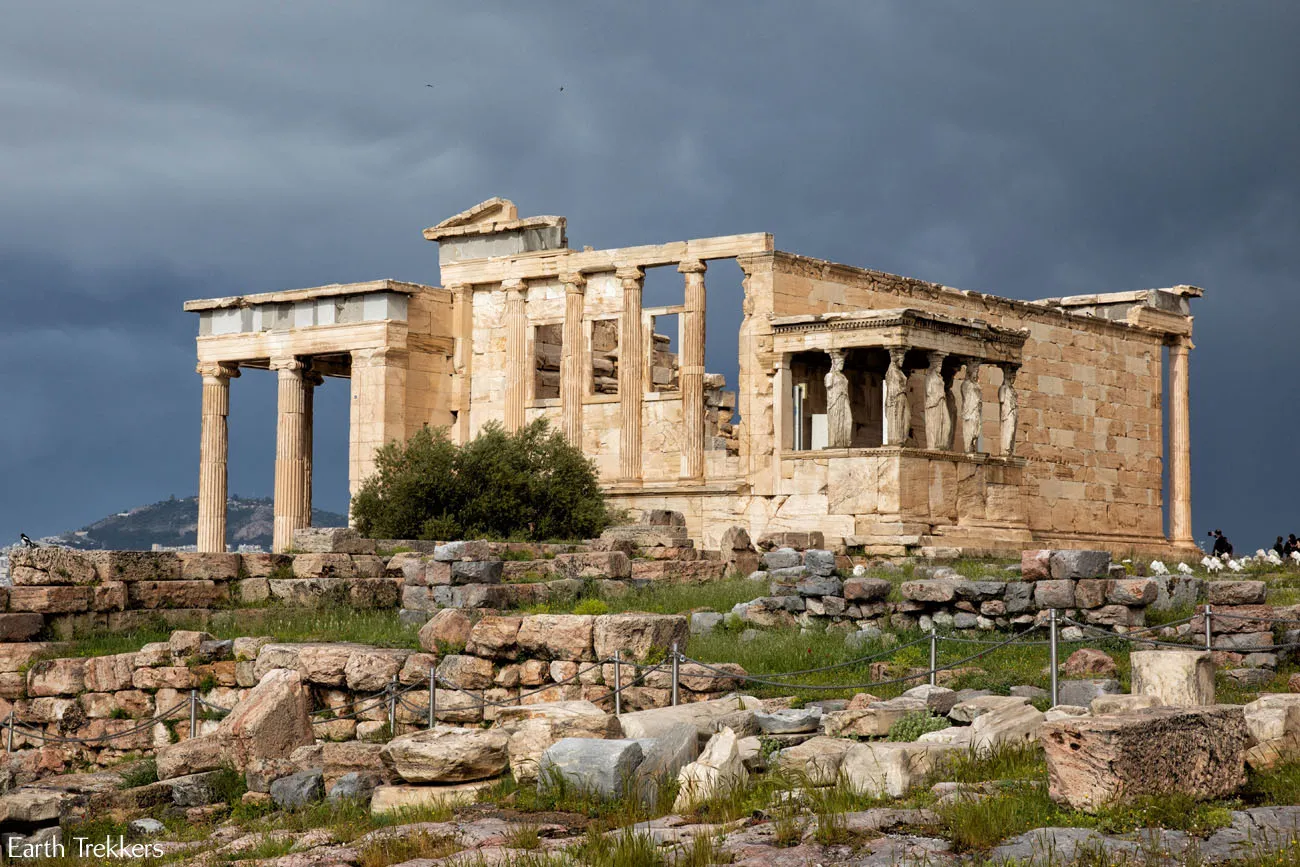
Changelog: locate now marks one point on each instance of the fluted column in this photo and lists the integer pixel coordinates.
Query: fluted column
(289, 461)
(1180, 453)
(630, 385)
(571, 386)
(214, 446)
(310, 381)
(462, 300)
(691, 367)
(516, 339)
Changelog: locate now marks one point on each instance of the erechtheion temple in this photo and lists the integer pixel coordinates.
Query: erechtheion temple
(885, 412)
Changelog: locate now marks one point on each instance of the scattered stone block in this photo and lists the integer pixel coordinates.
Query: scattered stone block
(887, 769)
(386, 799)
(1095, 761)
(789, 720)
(447, 754)
(298, 790)
(817, 759)
(718, 767)
(1079, 564)
(1235, 592)
(1089, 660)
(1107, 704)
(603, 768)
(1081, 693)
(1178, 678)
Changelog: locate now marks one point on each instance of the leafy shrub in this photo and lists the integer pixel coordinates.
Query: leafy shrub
(913, 725)
(591, 606)
(530, 485)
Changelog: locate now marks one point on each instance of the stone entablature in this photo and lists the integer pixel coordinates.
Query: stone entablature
(829, 356)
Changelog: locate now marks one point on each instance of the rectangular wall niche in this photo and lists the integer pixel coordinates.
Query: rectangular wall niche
(604, 356)
(547, 346)
(665, 375)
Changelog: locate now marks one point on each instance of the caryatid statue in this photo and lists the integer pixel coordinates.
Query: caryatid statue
(1008, 408)
(972, 408)
(896, 409)
(938, 416)
(839, 417)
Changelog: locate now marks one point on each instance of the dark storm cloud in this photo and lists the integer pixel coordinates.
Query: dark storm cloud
(153, 153)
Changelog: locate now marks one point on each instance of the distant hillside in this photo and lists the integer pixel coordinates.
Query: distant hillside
(173, 523)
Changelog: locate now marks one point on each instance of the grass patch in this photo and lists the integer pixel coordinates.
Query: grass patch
(142, 773)
(1280, 784)
(974, 825)
(348, 819)
(913, 725)
(265, 849)
(1017, 762)
(624, 849)
(396, 849)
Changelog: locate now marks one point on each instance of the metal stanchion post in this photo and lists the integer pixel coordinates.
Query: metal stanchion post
(433, 697)
(934, 656)
(1051, 626)
(194, 713)
(1208, 641)
(392, 707)
(618, 682)
(674, 651)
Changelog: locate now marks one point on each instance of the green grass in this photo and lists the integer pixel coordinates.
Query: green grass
(1278, 785)
(407, 847)
(266, 848)
(329, 623)
(347, 819)
(141, 773)
(913, 725)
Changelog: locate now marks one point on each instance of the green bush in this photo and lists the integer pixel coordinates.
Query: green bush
(591, 606)
(913, 725)
(530, 485)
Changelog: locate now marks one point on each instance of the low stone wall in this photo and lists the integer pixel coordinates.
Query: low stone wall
(59, 592)
(819, 587)
(481, 663)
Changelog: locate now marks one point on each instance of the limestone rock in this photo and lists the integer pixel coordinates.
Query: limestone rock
(1235, 592)
(271, 722)
(872, 721)
(939, 699)
(1080, 693)
(1108, 704)
(889, 769)
(704, 715)
(968, 710)
(604, 768)
(1090, 661)
(298, 790)
(449, 627)
(447, 754)
(636, 635)
(665, 756)
(466, 672)
(1079, 564)
(1178, 678)
(1094, 761)
(789, 720)
(387, 799)
(533, 728)
(1007, 725)
(1035, 565)
(718, 768)
(495, 637)
(817, 759)
(558, 636)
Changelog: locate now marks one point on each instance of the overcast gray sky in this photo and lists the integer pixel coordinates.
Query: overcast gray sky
(151, 153)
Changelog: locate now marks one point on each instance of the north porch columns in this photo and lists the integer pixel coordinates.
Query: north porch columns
(516, 319)
(571, 354)
(290, 453)
(214, 447)
(630, 386)
(1180, 454)
(692, 370)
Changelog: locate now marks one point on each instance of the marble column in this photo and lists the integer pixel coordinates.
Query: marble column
(938, 413)
(462, 306)
(839, 413)
(214, 446)
(571, 356)
(692, 370)
(897, 413)
(1008, 409)
(289, 509)
(630, 385)
(1180, 454)
(310, 381)
(516, 320)
(972, 408)
(782, 430)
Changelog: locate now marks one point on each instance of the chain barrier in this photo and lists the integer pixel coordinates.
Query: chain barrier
(394, 695)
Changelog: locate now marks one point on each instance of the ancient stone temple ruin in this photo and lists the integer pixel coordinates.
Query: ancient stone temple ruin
(884, 412)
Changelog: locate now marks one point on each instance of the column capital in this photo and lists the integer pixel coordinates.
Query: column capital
(630, 274)
(459, 288)
(574, 283)
(1009, 371)
(1180, 341)
(288, 364)
(896, 356)
(515, 289)
(218, 369)
(312, 378)
(692, 266)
